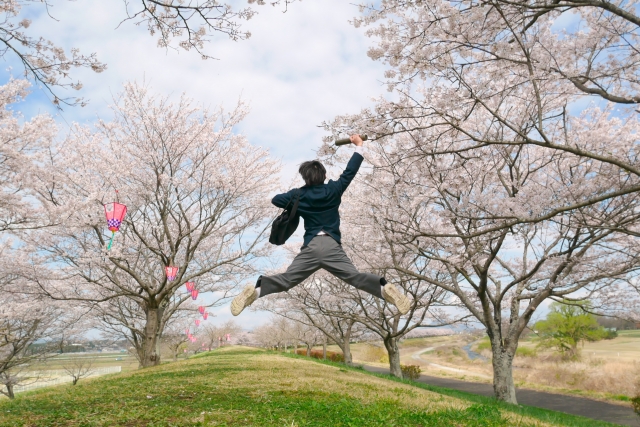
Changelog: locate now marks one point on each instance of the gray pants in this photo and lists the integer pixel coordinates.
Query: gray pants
(321, 252)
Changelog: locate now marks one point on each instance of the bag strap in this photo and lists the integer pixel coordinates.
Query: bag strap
(295, 205)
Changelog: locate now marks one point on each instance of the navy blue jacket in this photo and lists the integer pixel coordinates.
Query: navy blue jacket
(319, 203)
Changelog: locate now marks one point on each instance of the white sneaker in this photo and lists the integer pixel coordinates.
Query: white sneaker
(393, 296)
(244, 299)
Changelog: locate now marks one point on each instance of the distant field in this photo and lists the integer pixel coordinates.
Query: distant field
(248, 387)
(608, 369)
(98, 360)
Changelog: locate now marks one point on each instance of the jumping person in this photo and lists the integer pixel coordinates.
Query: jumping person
(318, 206)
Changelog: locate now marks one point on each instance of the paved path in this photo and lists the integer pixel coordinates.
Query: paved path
(589, 408)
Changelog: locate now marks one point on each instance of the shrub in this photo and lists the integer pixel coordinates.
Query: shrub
(317, 354)
(636, 404)
(411, 372)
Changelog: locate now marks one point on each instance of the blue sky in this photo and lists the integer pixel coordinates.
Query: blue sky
(297, 70)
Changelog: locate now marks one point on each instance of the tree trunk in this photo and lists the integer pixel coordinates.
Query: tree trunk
(175, 355)
(346, 346)
(324, 350)
(75, 380)
(308, 350)
(10, 392)
(346, 351)
(394, 356)
(503, 385)
(151, 331)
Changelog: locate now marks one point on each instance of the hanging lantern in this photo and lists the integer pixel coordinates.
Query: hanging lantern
(172, 272)
(228, 337)
(187, 332)
(197, 322)
(194, 294)
(205, 315)
(115, 213)
(201, 309)
(190, 336)
(190, 286)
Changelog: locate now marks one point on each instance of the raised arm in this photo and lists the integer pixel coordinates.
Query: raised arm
(352, 167)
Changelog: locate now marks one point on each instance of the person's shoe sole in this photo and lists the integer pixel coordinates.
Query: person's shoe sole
(244, 299)
(392, 295)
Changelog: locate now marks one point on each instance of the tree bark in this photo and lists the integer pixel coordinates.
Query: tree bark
(503, 385)
(346, 346)
(394, 356)
(151, 331)
(10, 393)
(346, 351)
(308, 350)
(324, 350)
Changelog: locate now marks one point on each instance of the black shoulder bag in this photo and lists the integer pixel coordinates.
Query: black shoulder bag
(286, 223)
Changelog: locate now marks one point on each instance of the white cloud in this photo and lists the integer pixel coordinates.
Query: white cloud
(297, 70)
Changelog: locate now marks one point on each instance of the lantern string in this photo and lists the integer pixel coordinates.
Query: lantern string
(113, 234)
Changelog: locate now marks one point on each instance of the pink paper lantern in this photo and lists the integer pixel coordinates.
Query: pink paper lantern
(115, 213)
(190, 286)
(172, 272)
(228, 337)
(201, 309)
(197, 322)
(194, 294)
(205, 315)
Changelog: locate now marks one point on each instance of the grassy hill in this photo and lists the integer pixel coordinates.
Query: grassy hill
(245, 387)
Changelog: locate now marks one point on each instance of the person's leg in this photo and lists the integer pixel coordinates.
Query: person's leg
(304, 265)
(336, 262)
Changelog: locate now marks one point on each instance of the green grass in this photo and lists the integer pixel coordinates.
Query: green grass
(543, 415)
(634, 333)
(242, 387)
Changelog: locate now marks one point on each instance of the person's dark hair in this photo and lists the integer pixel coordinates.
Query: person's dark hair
(313, 172)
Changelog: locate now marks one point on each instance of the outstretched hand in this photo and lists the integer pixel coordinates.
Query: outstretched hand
(355, 139)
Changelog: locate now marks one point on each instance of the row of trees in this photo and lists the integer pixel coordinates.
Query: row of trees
(505, 175)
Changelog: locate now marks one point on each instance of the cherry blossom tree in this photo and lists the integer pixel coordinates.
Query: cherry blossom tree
(212, 332)
(22, 147)
(444, 210)
(174, 335)
(509, 137)
(178, 24)
(456, 64)
(32, 328)
(316, 304)
(196, 195)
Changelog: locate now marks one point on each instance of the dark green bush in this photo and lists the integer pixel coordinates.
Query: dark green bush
(636, 404)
